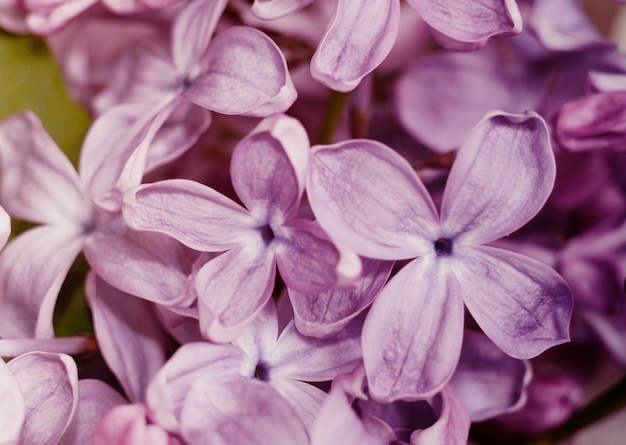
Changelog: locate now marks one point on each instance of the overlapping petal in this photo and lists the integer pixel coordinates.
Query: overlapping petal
(522, 305)
(12, 407)
(514, 153)
(412, 335)
(129, 425)
(357, 40)
(273, 9)
(194, 214)
(394, 216)
(453, 424)
(229, 86)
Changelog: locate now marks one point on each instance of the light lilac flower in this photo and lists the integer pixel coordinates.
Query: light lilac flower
(268, 171)
(369, 198)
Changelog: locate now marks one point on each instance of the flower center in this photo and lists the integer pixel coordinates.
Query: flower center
(443, 246)
(267, 234)
(261, 372)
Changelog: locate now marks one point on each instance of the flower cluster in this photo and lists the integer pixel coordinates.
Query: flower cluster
(314, 222)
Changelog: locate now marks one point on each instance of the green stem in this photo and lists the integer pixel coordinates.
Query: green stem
(334, 110)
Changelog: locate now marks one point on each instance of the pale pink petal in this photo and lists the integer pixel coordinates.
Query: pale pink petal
(268, 168)
(470, 20)
(501, 177)
(357, 40)
(229, 86)
(259, 338)
(130, 338)
(244, 411)
(39, 184)
(49, 385)
(393, 216)
(413, 332)
(273, 9)
(522, 305)
(5, 227)
(47, 16)
(128, 425)
(304, 398)
(12, 347)
(194, 214)
(232, 289)
(33, 267)
(12, 407)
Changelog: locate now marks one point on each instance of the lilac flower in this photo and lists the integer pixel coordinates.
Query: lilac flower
(282, 362)
(268, 171)
(369, 198)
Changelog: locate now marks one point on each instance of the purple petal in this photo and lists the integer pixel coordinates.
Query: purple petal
(307, 260)
(192, 362)
(128, 425)
(96, 398)
(148, 265)
(194, 214)
(192, 32)
(49, 384)
(273, 9)
(304, 398)
(453, 424)
(325, 314)
(593, 123)
(500, 179)
(244, 411)
(259, 338)
(33, 267)
(39, 184)
(522, 305)
(266, 90)
(65, 345)
(357, 40)
(487, 381)
(46, 17)
(470, 20)
(412, 334)
(368, 197)
(232, 289)
(12, 406)
(268, 168)
(131, 340)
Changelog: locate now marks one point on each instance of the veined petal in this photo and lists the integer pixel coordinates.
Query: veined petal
(232, 289)
(325, 314)
(229, 86)
(413, 333)
(12, 407)
(49, 385)
(192, 32)
(243, 411)
(273, 9)
(268, 168)
(522, 305)
(33, 267)
(500, 179)
(39, 184)
(369, 198)
(131, 340)
(307, 259)
(470, 20)
(192, 213)
(357, 40)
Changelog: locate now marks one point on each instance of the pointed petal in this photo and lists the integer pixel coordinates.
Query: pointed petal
(244, 411)
(33, 267)
(487, 381)
(451, 428)
(12, 407)
(268, 168)
(192, 362)
(192, 32)
(194, 214)
(229, 86)
(500, 179)
(413, 332)
(368, 197)
(96, 398)
(297, 357)
(325, 314)
(131, 340)
(148, 265)
(232, 289)
(39, 184)
(522, 305)
(307, 260)
(470, 20)
(357, 40)
(49, 384)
